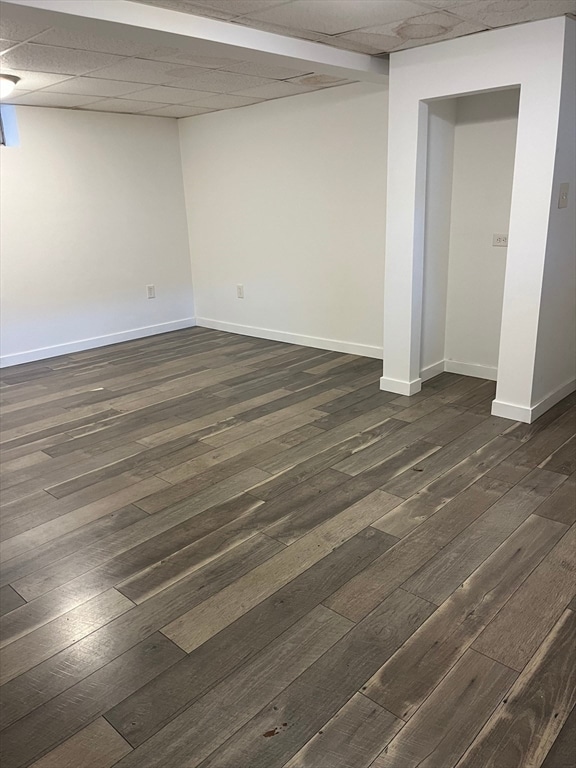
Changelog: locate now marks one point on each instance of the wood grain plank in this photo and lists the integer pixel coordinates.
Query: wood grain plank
(89, 584)
(320, 500)
(563, 460)
(96, 746)
(366, 421)
(449, 456)
(344, 414)
(304, 518)
(288, 479)
(402, 684)
(563, 753)
(222, 711)
(54, 550)
(375, 454)
(561, 505)
(297, 714)
(454, 428)
(517, 631)
(350, 739)
(75, 663)
(438, 734)
(208, 458)
(151, 707)
(444, 573)
(9, 600)
(63, 716)
(198, 625)
(120, 562)
(27, 652)
(415, 510)
(522, 729)
(363, 592)
(79, 516)
(541, 445)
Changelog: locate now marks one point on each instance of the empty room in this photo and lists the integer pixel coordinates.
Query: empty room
(288, 351)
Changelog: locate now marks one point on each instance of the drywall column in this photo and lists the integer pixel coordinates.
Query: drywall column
(555, 370)
(529, 56)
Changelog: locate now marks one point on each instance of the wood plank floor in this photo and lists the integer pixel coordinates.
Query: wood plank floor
(226, 552)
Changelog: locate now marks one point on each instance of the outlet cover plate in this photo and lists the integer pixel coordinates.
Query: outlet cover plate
(500, 241)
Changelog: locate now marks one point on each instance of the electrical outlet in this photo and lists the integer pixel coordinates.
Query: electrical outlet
(240, 291)
(563, 196)
(500, 241)
(151, 291)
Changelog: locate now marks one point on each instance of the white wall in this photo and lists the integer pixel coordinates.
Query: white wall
(288, 199)
(529, 56)
(555, 369)
(484, 147)
(92, 212)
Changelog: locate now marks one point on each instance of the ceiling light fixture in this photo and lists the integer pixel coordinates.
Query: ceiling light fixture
(7, 85)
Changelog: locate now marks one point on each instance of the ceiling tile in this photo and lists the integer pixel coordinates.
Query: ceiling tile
(85, 41)
(270, 71)
(46, 58)
(187, 58)
(125, 105)
(14, 29)
(166, 95)
(33, 81)
(94, 86)
(499, 13)
(276, 29)
(332, 17)
(14, 95)
(444, 3)
(218, 81)
(186, 6)
(274, 90)
(174, 110)
(346, 43)
(224, 101)
(421, 30)
(370, 42)
(239, 7)
(142, 71)
(432, 28)
(218, 9)
(5, 45)
(45, 99)
(319, 81)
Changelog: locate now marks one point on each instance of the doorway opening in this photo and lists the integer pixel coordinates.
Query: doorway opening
(471, 143)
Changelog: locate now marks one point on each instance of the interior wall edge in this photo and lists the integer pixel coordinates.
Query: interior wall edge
(33, 355)
(333, 345)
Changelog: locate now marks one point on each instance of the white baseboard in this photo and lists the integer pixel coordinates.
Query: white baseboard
(400, 387)
(432, 370)
(334, 345)
(43, 353)
(471, 369)
(511, 411)
(529, 414)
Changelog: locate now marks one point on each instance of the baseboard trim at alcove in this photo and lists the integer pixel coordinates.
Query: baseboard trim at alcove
(529, 414)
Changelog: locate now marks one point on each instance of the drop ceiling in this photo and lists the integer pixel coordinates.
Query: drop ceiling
(83, 66)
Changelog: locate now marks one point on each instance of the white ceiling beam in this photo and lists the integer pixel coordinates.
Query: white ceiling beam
(203, 36)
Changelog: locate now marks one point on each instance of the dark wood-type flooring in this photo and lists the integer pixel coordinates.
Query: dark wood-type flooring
(226, 552)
